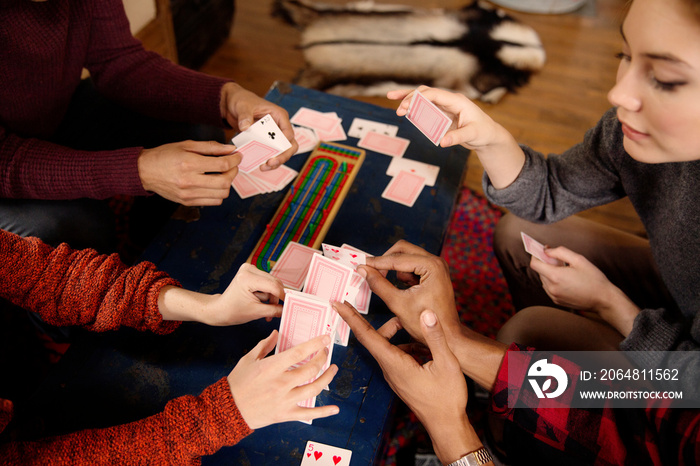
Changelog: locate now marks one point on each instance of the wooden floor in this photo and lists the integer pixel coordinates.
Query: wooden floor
(550, 114)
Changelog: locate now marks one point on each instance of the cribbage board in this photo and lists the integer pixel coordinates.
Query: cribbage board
(310, 206)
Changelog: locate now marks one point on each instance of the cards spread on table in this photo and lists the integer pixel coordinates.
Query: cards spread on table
(306, 138)
(426, 170)
(428, 118)
(404, 188)
(536, 249)
(319, 454)
(319, 121)
(293, 264)
(259, 143)
(387, 145)
(360, 127)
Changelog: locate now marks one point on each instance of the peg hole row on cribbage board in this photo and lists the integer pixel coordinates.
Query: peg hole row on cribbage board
(310, 206)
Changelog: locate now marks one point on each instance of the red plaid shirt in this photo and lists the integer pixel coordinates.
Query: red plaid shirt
(655, 435)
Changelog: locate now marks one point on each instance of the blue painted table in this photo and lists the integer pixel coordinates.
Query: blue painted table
(123, 376)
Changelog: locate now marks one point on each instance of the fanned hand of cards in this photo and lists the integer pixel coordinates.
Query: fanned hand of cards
(428, 118)
(259, 143)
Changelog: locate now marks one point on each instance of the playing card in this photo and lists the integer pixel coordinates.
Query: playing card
(319, 454)
(426, 170)
(536, 249)
(360, 127)
(276, 179)
(304, 317)
(387, 145)
(293, 264)
(254, 154)
(315, 120)
(327, 278)
(428, 118)
(364, 293)
(264, 130)
(243, 185)
(336, 134)
(345, 256)
(306, 138)
(404, 188)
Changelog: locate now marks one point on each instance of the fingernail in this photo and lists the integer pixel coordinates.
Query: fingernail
(244, 124)
(429, 318)
(361, 270)
(446, 141)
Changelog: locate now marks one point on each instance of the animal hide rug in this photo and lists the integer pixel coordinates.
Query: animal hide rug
(363, 48)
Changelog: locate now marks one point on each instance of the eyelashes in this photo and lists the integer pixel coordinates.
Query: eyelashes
(666, 86)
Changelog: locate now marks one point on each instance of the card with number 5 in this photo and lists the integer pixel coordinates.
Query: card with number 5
(320, 454)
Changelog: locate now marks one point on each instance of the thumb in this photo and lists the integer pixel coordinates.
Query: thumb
(434, 336)
(245, 117)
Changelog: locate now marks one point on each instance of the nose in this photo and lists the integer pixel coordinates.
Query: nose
(625, 92)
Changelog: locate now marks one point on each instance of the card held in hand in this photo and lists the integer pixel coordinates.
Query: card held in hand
(327, 278)
(428, 118)
(535, 248)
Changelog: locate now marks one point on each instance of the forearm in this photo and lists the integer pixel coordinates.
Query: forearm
(189, 427)
(453, 440)
(179, 304)
(479, 357)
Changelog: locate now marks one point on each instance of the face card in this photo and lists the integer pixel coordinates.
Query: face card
(428, 118)
(264, 130)
(254, 154)
(360, 127)
(404, 188)
(327, 278)
(426, 170)
(387, 145)
(293, 264)
(536, 249)
(315, 120)
(319, 454)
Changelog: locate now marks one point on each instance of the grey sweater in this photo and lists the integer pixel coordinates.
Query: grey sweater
(667, 198)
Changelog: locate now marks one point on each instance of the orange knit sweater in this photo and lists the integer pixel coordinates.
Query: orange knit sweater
(68, 287)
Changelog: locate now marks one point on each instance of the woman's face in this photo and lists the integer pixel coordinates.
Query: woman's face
(658, 82)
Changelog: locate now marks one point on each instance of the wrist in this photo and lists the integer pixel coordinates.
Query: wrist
(453, 440)
(227, 90)
(619, 311)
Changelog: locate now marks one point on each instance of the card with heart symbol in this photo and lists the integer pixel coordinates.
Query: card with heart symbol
(319, 454)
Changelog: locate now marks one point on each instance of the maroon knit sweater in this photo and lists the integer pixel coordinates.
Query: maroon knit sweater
(43, 48)
(68, 287)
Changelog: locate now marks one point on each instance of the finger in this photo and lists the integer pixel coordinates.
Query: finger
(389, 329)
(382, 287)
(304, 392)
(564, 254)
(435, 337)
(308, 370)
(309, 414)
(267, 311)
(275, 162)
(398, 94)
(209, 148)
(405, 247)
(263, 347)
(377, 345)
(257, 280)
(300, 352)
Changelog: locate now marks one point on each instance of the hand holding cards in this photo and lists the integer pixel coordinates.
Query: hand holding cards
(536, 248)
(428, 118)
(259, 143)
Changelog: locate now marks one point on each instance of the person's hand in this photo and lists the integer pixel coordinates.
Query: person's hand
(194, 173)
(470, 127)
(267, 392)
(497, 149)
(435, 391)
(252, 294)
(582, 286)
(241, 108)
(429, 286)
